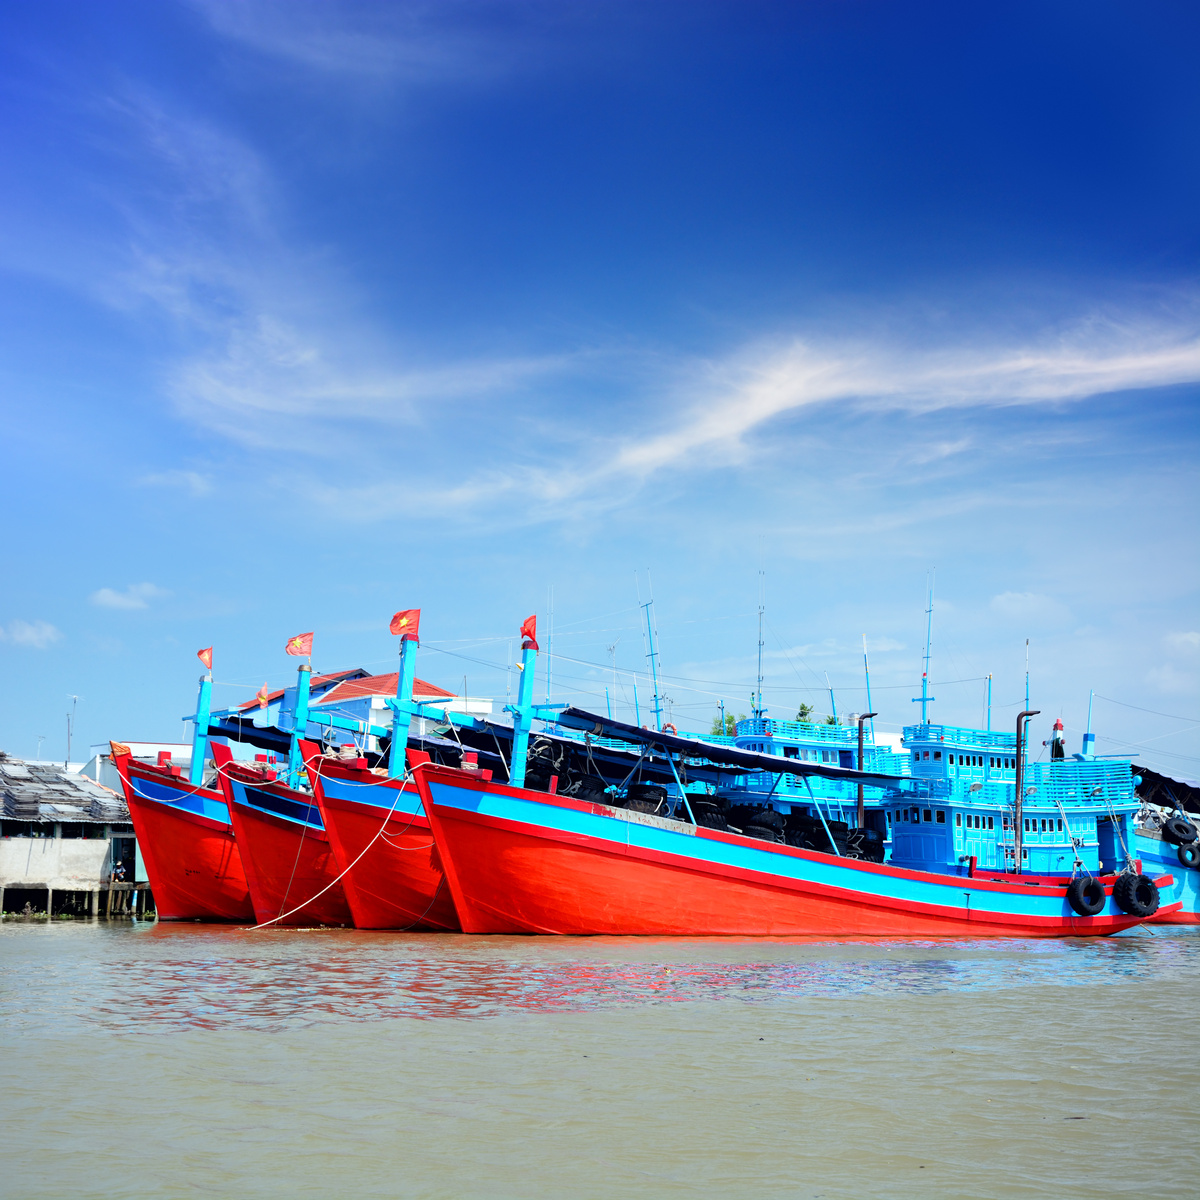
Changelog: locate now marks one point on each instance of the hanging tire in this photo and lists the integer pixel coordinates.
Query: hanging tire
(1136, 895)
(1179, 830)
(1189, 856)
(1085, 894)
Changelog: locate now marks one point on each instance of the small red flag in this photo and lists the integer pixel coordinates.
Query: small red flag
(300, 645)
(262, 696)
(529, 633)
(407, 623)
(205, 656)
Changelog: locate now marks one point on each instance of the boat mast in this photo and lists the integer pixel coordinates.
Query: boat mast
(924, 698)
(989, 704)
(1089, 738)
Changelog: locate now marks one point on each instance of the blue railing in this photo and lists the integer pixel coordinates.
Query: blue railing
(802, 731)
(957, 735)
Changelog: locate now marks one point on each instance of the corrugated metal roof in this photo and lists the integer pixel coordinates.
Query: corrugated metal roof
(42, 792)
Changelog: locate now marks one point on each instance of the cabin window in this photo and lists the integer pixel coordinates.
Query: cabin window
(790, 752)
(991, 822)
(916, 755)
(1005, 824)
(889, 816)
(1024, 853)
(958, 820)
(978, 821)
(1060, 826)
(926, 754)
(937, 756)
(991, 762)
(941, 817)
(927, 815)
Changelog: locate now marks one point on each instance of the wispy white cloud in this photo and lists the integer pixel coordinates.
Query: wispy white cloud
(36, 635)
(402, 43)
(193, 482)
(135, 596)
(1187, 643)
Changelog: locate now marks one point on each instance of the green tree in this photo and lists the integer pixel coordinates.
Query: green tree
(730, 725)
(805, 713)
(831, 720)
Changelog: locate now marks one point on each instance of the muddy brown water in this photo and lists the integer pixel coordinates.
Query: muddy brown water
(144, 1060)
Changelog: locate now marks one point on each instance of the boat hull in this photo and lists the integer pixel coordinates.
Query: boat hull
(382, 841)
(188, 845)
(525, 862)
(290, 868)
(1158, 856)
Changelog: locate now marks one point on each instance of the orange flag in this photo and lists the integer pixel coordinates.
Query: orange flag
(262, 696)
(300, 645)
(406, 623)
(529, 633)
(205, 656)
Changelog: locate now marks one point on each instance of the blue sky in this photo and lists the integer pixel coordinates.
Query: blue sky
(313, 311)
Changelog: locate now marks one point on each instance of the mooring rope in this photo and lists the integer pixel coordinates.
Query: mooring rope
(339, 878)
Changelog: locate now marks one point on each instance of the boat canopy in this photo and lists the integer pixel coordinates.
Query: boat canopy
(725, 756)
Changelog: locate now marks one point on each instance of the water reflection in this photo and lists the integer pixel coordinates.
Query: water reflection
(164, 977)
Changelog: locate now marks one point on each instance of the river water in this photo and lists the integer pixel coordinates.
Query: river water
(148, 1060)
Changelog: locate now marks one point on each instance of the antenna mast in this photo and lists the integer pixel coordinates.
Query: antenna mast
(924, 698)
(652, 650)
(867, 672)
(762, 607)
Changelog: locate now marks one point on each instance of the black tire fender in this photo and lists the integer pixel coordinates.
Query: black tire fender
(1189, 855)
(1085, 894)
(1136, 895)
(1179, 830)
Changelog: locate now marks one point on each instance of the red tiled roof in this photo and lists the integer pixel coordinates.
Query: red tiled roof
(314, 683)
(379, 685)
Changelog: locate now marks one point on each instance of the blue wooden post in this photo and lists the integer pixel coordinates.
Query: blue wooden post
(402, 711)
(200, 731)
(522, 718)
(299, 723)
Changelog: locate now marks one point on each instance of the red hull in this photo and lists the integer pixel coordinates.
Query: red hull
(287, 864)
(510, 877)
(398, 883)
(1175, 918)
(193, 862)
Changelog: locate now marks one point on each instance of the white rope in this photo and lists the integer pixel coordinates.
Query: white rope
(386, 819)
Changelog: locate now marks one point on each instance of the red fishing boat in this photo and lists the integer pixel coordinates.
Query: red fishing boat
(381, 841)
(290, 867)
(187, 843)
(524, 861)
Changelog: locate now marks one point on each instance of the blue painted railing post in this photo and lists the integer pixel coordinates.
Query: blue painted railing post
(402, 713)
(522, 716)
(299, 723)
(200, 730)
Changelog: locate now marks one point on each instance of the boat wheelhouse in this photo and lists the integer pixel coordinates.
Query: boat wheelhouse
(961, 814)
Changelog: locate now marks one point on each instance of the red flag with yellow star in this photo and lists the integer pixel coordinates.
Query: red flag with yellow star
(262, 696)
(529, 633)
(407, 623)
(300, 645)
(205, 656)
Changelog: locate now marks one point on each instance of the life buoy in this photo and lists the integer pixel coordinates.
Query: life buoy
(1179, 830)
(1189, 856)
(1085, 894)
(1136, 895)
(669, 728)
